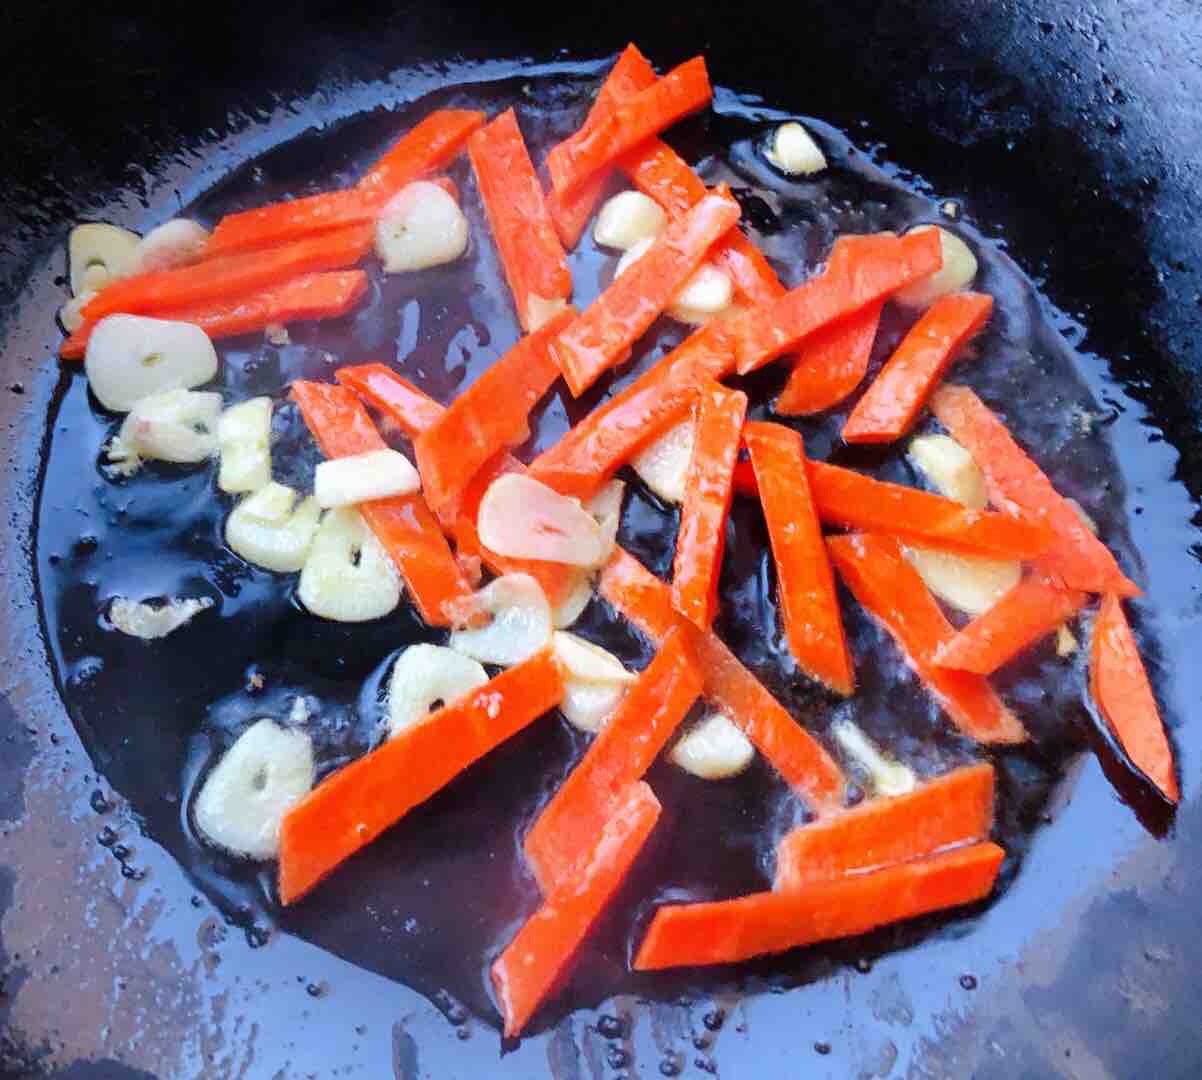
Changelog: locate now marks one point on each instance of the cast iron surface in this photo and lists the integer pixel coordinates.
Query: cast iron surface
(1064, 130)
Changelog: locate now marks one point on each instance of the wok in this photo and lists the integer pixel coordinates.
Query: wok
(1068, 130)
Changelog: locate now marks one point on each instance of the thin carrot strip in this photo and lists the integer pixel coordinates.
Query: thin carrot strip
(230, 277)
(883, 581)
(806, 583)
(311, 296)
(537, 958)
(701, 537)
(1078, 558)
(892, 403)
(623, 751)
(851, 499)
(571, 213)
(414, 412)
(431, 145)
(862, 270)
(603, 335)
(727, 931)
(592, 451)
(492, 415)
(1119, 686)
(1034, 608)
(641, 597)
(578, 158)
(403, 524)
(951, 810)
(531, 256)
(352, 807)
(830, 364)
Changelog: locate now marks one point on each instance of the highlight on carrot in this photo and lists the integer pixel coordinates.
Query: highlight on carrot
(537, 958)
(404, 524)
(891, 405)
(883, 581)
(805, 581)
(1119, 687)
(830, 364)
(701, 537)
(623, 751)
(531, 255)
(602, 336)
(727, 931)
(1032, 610)
(948, 811)
(1078, 559)
(353, 806)
(490, 416)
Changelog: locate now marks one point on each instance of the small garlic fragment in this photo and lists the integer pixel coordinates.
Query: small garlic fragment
(179, 426)
(377, 474)
(606, 507)
(572, 606)
(886, 776)
(969, 583)
(420, 227)
(663, 465)
(174, 243)
(244, 439)
(714, 749)
(595, 681)
(958, 271)
(271, 529)
(583, 660)
(98, 253)
(427, 677)
(129, 357)
(1066, 641)
(627, 218)
(137, 618)
(522, 518)
(520, 626)
(709, 292)
(794, 151)
(541, 310)
(587, 706)
(347, 575)
(950, 469)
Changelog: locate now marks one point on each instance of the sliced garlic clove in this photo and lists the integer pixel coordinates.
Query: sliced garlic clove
(794, 151)
(606, 507)
(572, 606)
(377, 474)
(174, 243)
(958, 271)
(425, 678)
(541, 310)
(520, 627)
(969, 583)
(347, 576)
(270, 529)
(588, 706)
(139, 619)
(713, 749)
(886, 776)
(266, 772)
(521, 518)
(627, 218)
(178, 426)
(707, 294)
(586, 662)
(71, 313)
(129, 357)
(950, 469)
(422, 226)
(244, 439)
(632, 255)
(663, 465)
(98, 253)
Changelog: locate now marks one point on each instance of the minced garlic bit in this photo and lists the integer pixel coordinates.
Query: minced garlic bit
(140, 619)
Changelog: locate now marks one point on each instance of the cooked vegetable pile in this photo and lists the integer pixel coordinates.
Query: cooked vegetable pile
(499, 557)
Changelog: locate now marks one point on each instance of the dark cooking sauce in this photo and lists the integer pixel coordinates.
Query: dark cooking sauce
(433, 900)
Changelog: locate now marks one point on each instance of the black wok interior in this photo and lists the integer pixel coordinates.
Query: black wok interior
(1070, 130)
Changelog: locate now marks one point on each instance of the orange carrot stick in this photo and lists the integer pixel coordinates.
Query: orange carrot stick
(531, 256)
(594, 147)
(403, 524)
(862, 270)
(311, 296)
(701, 537)
(230, 277)
(1078, 559)
(727, 931)
(348, 810)
(624, 750)
(414, 412)
(492, 415)
(951, 810)
(885, 583)
(848, 498)
(830, 365)
(602, 336)
(429, 146)
(1119, 686)
(1034, 608)
(805, 581)
(537, 958)
(592, 451)
(629, 75)
(641, 597)
(891, 405)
